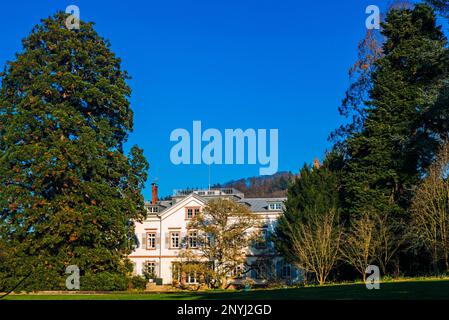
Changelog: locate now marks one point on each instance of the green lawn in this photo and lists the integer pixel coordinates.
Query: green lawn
(425, 289)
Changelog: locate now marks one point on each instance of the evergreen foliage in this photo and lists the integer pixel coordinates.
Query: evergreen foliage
(68, 192)
(401, 131)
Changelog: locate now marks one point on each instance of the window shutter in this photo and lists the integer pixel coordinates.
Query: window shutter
(253, 274)
(167, 240)
(293, 273)
(202, 240)
(183, 240)
(138, 240)
(144, 240)
(158, 240)
(156, 269)
(211, 240)
(279, 269)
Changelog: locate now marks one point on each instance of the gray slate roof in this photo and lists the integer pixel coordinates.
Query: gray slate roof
(260, 204)
(255, 204)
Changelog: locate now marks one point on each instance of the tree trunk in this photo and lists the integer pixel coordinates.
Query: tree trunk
(446, 262)
(223, 283)
(321, 279)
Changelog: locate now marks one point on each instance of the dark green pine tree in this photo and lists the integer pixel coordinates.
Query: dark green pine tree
(401, 132)
(441, 6)
(315, 191)
(68, 193)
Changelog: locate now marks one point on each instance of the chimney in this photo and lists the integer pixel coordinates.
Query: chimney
(316, 163)
(154, 198)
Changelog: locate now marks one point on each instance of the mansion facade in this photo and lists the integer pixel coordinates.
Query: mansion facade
(165, 232)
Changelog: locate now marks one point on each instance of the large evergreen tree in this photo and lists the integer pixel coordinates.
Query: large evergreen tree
(314, 193)
(401, 131)
(442, 6)
(68, 193)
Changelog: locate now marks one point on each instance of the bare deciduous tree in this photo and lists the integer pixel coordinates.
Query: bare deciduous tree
(359, 248)
(371, 239)
(225, 230)
(316, 245)
(387, 240)
(429, 227)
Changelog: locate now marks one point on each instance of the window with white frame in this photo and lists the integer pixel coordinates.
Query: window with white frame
(174, 240)
(151, 240)
(188, 278)
(153, 209)
(149, 267)
(191, 278)
(193, 239)
(275, 206)
(237, 272)
(192, 212)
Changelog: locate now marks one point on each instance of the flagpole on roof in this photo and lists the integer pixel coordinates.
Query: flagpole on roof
(209, 176)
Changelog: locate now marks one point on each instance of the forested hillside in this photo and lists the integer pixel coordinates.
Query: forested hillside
(263, 186)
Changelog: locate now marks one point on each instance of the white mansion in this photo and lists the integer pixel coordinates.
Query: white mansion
(160, 235)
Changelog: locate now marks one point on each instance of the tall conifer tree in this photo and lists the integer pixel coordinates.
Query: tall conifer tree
(68, 193)
(314, 193)
(399, 135)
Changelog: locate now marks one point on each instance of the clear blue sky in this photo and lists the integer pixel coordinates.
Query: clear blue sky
(229, 63)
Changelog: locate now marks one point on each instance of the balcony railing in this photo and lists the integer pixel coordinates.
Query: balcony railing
(207, 192)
